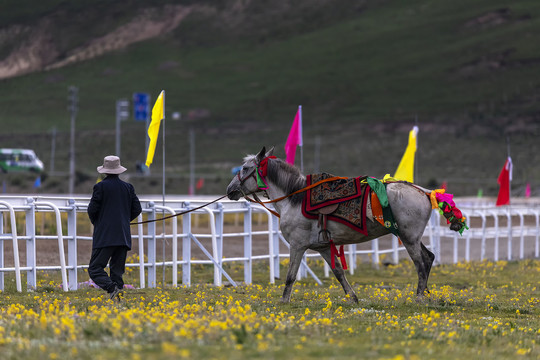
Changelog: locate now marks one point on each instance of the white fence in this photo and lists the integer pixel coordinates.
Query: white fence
(495, 233)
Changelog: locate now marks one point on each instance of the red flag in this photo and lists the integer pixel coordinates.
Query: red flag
(295, 137)
(505, 177)
(200, 184)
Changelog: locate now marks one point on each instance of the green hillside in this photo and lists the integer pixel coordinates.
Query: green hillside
(364, 73)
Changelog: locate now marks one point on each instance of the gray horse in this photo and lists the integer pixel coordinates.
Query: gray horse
(410, 205)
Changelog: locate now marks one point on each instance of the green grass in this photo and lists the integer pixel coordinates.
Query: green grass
(363, 74)
(485, 310)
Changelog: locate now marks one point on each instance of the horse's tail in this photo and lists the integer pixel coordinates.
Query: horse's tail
(446, 206)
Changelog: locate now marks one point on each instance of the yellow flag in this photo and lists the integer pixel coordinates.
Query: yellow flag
(153, 128)
(405, 170)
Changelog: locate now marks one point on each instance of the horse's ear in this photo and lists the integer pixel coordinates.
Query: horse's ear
(270, 152)
(261, 154)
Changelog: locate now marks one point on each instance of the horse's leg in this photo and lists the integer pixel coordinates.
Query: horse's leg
(428, 257)
(294, 264)
(415, 249)
(412, 209)
(339, 273)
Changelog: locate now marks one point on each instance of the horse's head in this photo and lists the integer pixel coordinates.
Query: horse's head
(245, 182)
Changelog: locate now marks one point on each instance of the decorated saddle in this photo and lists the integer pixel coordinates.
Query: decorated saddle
(349, 195)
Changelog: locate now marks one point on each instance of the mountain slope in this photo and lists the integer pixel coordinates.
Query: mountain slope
(365, 72)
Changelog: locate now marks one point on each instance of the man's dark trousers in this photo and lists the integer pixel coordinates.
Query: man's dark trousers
(116, 257)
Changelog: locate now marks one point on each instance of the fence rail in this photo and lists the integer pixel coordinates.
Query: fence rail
(495, 233)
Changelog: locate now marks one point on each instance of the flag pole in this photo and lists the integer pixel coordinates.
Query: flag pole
(510, 169)
(301, 142)
(415, 164)
(163, 176)
(163, 192)
(510, 177)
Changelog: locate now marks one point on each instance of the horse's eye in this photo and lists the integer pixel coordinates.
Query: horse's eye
(245, 169)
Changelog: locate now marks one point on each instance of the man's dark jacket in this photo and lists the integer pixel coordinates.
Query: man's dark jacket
(113, 205)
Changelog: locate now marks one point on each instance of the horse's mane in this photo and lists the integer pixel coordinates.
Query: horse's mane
(288, 178)
(249, 158)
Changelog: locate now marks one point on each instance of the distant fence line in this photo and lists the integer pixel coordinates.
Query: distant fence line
(494, 232)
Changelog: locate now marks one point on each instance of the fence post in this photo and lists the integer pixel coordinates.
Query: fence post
(140, 235)
(326, 269)
(509, 225)
(436, 236)
(72, 246)
(60, 236)
(248, 251)
(30, 213)
(496, 240)
(174, 250)
(468, 240)
(186, 247)
(455, 248)
(352, 258)
(395, 248)
(483, 242)
(1, 250)
(275, 245)
(536, 242)
(219, 237)
(375, 256)
(152, 246)
(15, 241)
(521, 235)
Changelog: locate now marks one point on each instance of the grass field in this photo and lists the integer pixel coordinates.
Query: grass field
(480, 310)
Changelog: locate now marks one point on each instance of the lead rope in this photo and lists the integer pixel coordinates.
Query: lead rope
(260, 202)
(180, 213)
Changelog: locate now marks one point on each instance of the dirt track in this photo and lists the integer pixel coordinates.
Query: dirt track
(48, 253)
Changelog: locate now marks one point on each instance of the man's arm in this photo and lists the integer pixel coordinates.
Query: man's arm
(136, 208)
(95, 204)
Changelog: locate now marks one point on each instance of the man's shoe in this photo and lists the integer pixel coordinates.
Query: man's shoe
(116, 293)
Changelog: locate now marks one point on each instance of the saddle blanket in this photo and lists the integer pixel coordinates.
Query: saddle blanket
(350, 194)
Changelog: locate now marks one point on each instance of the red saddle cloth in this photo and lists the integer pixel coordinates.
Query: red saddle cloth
(350, 194)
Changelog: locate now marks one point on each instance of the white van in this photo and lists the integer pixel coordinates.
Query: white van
(12, 160)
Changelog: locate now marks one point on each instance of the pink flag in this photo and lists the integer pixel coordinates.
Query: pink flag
(295, 137)
(528, 191)
(505, 177)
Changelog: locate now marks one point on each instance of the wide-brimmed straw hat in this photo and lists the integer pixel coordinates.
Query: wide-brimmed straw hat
(111, 165)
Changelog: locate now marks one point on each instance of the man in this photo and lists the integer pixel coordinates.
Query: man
(113, 205)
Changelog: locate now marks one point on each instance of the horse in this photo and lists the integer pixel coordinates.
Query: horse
(410, 205)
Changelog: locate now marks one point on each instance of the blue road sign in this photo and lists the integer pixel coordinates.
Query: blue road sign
(141, 106)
